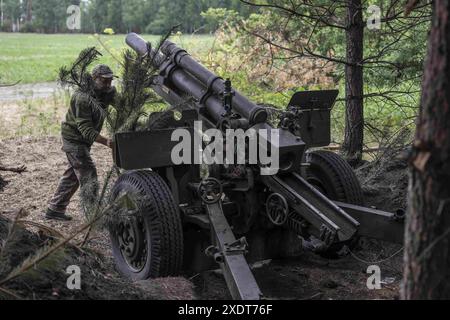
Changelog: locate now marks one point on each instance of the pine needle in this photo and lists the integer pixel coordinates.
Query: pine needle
(107, 49)
(10, 293)
(12, 231)
(101, 205)
(76, 76)
(50, 231)
(42, 254)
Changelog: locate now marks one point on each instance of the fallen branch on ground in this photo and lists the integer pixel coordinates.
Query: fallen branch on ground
(20, 169)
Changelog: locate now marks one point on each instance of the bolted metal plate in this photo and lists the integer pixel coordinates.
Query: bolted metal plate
(143, 150)
(315, 122)
(152, 149)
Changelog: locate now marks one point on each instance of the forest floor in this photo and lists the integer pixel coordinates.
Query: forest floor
(306, 277)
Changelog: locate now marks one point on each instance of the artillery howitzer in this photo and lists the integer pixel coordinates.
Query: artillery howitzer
(236, 214)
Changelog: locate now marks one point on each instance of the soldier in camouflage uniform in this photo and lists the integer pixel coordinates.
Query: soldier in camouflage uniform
(82, 127)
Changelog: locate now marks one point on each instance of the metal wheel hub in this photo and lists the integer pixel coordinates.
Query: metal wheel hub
(277, 209)
(133, 243)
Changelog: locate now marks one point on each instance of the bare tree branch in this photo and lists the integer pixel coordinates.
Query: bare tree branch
(20, 169)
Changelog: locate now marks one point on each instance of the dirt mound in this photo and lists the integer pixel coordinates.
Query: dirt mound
(48, 279)
(385, 179)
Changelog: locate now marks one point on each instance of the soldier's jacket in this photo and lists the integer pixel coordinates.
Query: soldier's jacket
(84, 120)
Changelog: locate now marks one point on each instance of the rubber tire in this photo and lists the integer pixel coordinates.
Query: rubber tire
(163, 225)
(338, 182)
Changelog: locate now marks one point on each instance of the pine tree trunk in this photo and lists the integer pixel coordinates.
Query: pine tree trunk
(427, 241)
(29, 10)
(354, 90)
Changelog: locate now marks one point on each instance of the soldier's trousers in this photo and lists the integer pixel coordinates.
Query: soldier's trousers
(81, 172)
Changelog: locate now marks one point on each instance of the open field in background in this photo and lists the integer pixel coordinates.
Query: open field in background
(33, 58)
(34, 117)
(36, 58)
(40, 117)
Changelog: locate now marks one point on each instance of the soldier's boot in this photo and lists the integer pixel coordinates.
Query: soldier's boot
(53, 215)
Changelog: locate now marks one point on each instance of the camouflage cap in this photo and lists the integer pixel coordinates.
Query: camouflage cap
(102, 70)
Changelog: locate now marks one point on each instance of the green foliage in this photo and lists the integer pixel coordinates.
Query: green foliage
(50, 15)
(39, 117)
(12, 10)
(151, 16)
(270, 52)
(134, 90)
(248, 61)
(134, 93)
(77, 76)
(33, 58)
(216, 17)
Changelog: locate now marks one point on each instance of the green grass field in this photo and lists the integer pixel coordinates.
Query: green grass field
(33, 58)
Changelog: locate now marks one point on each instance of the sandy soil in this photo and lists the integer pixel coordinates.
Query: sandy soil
(32, 190)
(307, 277)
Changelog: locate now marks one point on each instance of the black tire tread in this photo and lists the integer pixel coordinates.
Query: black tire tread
(345, 182)
(166, 229)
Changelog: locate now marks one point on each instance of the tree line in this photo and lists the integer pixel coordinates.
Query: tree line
(143, 16)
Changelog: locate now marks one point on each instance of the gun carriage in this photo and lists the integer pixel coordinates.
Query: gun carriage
(235, 214)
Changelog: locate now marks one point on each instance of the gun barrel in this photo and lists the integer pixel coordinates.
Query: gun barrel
(201, 76)
(142, 47)
(241, 104)
(137, 43)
